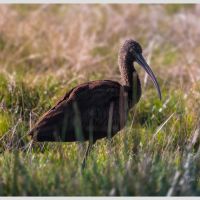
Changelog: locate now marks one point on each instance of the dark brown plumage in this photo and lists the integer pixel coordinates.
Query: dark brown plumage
(96, 109)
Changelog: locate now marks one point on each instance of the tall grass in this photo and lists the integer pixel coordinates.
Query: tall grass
(45, 50)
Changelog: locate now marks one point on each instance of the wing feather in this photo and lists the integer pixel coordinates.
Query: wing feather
(95, 94)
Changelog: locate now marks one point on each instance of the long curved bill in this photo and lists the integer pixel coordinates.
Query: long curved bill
(141, 61)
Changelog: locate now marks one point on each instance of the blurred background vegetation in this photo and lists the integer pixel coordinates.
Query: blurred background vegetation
(45, 50)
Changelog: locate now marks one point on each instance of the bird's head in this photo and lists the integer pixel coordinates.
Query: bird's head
(133, 53)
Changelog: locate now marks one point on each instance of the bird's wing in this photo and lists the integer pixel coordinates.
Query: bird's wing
(95, 93)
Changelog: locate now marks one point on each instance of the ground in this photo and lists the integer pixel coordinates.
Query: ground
(45, 50)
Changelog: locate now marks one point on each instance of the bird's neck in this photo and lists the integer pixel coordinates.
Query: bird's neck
(130, 80)
(127, 70)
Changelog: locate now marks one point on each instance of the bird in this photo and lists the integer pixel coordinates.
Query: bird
(96, 109)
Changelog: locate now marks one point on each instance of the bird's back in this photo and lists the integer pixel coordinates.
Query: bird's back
(91, 110)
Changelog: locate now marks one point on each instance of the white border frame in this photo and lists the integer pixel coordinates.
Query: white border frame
(99, 198)
(99, 1)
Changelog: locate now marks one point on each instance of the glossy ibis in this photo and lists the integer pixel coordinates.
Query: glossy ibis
(96, 109)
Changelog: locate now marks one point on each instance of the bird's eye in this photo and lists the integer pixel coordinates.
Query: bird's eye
(131, 50)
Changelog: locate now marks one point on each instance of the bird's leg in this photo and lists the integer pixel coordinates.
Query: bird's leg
(86, 153)
(109, 145)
